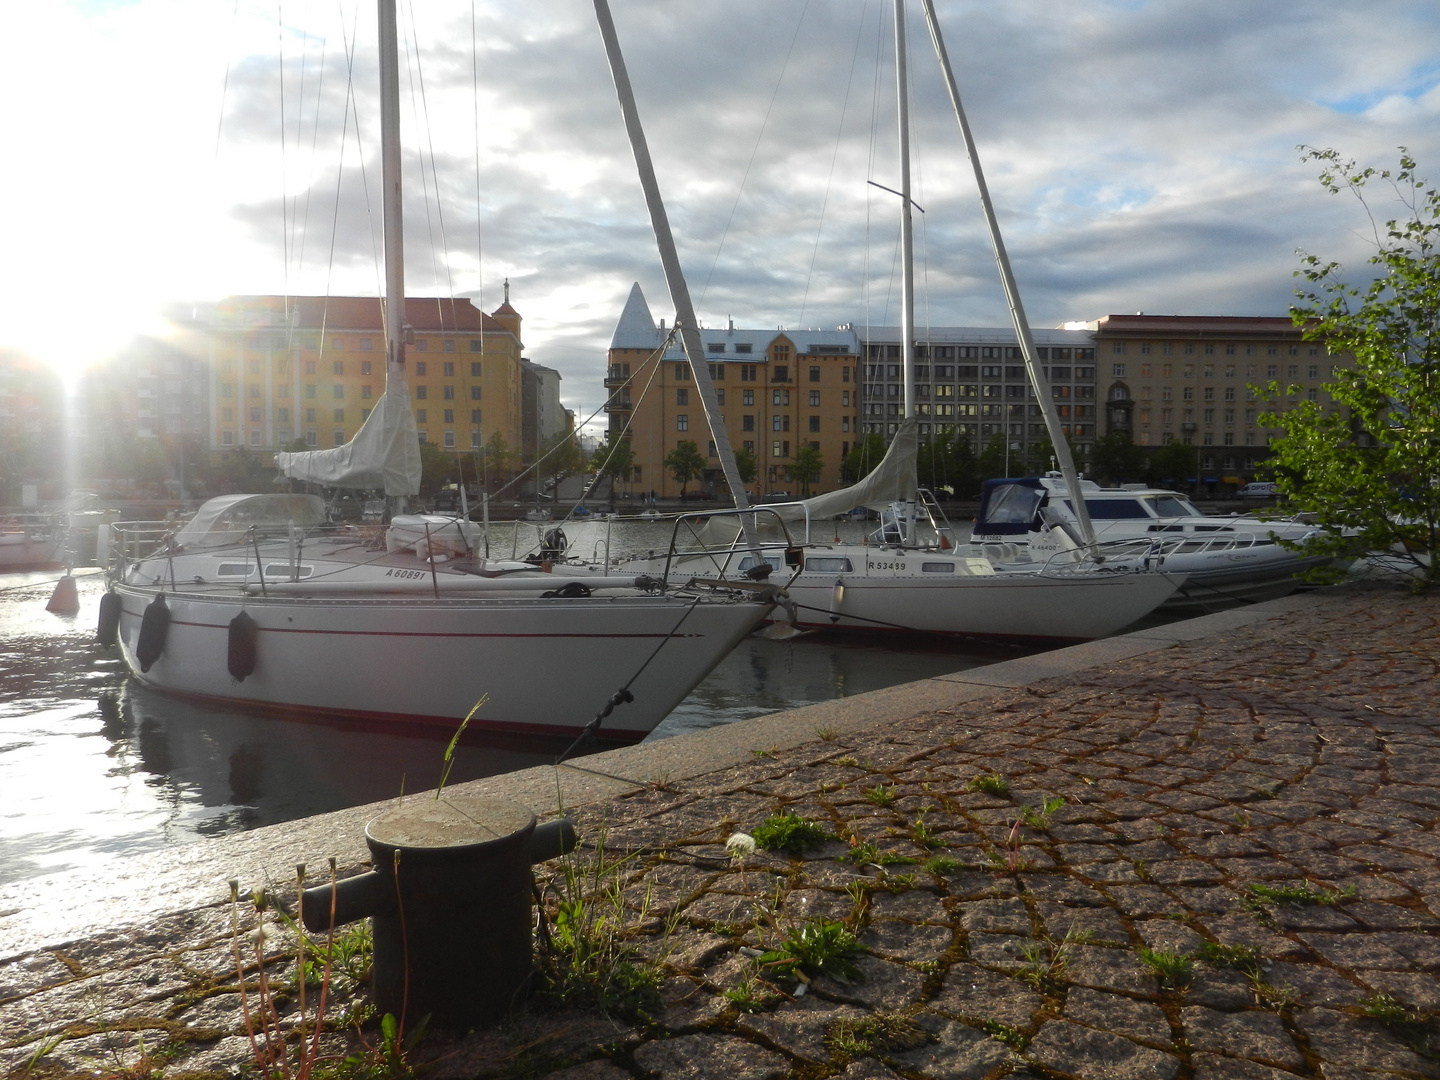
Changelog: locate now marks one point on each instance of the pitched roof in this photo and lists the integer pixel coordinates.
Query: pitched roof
(636, 328)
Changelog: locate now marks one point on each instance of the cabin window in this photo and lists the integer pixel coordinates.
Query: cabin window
(937, 568)
(827, 564)
(1112, 509)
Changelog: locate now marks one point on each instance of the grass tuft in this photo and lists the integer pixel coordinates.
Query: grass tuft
(990, 784)
(790, 833)
(880, 1033)
(1173, 969)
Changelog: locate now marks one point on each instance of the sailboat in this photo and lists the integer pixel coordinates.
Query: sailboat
(255, 602)
(902, 581)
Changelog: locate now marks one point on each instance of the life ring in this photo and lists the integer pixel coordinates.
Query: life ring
(241, 646)
(154, 626)
(107, 630)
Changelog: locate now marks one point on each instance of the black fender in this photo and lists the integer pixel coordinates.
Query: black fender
(107, 629)
(154, 627)
(243, 635)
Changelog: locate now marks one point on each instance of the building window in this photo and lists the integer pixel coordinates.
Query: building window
(364, 415)
(475, 369)
(474, 435)
(814, 424)
(474, 347)
(780, 373)
(339, 416)
(255, 416)
(312, 438)
(720, 397)
(682, 422)
(814, 374)
(747, 422)
(420, 415)
(1117, 371)
(310, 416)
(475, 416)
(339, 437)
(747, 397)
(338, 367)
(310, 390)
(682, 396)
(814, 398)
(715, 347)
(449, 393)
(450, 368)
(366, 345)
(449, 440)
(682, 372)
(422, 345)
(449, 416)
(364, 367)
(338, 390)
(474, 393)
(744, 347)
(419, 367)
(449, 344)
(747, 372)
(421, 392)
(283, 415)
(365, 392)
(775, 448)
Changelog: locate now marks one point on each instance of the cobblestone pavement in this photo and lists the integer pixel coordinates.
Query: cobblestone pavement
(1240, 882)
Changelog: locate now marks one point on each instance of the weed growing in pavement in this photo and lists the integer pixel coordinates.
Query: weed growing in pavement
(1010, 1036)
(826, 734)
(1045, 960)
(790, 833)
(879, 1033)
(846, 761)
(1390, 1010)
(941, 865)
(922, 834)
(880, 795)
(868, 853)
(990, 784)
(1246, 960)
(1039, 817)
(770, 752)
(819, 947)
(752, 996)
(1299, 895)
(1173, 969)
(586, 954)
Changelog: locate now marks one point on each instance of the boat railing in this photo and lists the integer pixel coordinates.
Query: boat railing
(713, 539)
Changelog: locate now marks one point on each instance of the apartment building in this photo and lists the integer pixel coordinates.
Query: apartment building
(311, 369)
(779, 390)
(32, 422)
(1197, 379)
(971, 381)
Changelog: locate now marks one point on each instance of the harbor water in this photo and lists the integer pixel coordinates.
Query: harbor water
(95, 767)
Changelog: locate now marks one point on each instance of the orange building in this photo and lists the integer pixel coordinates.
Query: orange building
(311, 368)
(779, 391)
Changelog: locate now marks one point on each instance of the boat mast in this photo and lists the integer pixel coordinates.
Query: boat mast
(685, 319)
(907, 235)
(1038, 382)
(394, 306)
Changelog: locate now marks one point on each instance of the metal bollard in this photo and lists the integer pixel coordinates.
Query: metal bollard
(450, 896)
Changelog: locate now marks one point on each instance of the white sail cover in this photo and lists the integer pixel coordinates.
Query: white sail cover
(385, 452)
(893, 480)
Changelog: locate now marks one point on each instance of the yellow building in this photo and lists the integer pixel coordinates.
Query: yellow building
(779, 391)
(1196, 378)
(311, 368)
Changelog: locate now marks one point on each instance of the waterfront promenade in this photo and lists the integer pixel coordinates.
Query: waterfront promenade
(1241, 880)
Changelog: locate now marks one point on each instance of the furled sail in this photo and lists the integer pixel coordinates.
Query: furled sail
(385, 452)
(893, 480)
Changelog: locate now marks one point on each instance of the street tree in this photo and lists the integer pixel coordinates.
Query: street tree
(861, 461)
(746, 465)
(612, 460)
(1368, 468)
(1116, 459)
(1173, 465)
(685, 463)
(805, 469)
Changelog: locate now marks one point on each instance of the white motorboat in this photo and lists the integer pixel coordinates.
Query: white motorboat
(255, 602)
(1227, 560)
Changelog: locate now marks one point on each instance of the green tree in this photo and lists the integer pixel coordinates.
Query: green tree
(946, 463)
(861, 461)
(1173, 465)
(1369, 469)
(995, 461)
(611, 461)
(685, 463)
(497, 462)
(746, 465)
(805, 469)
(1116, 459)
(437, 468)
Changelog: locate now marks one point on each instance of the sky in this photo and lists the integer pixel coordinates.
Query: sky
(1142, 157)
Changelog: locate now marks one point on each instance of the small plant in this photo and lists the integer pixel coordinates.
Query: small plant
(752, 996)
(826, 734)
(1039, 817)
(1243, 958)
(846, 761)
(941, 865)
(1299, 895)
(867, 853)
(819, 947)
(770, 752)
(990, 784)
(880, 795)
(880, 1033)
(1045, 961)
(923, 835)
(1390, 1010)
(790, 833)
(1010, 1036)
(1173, 969)
(454, 742)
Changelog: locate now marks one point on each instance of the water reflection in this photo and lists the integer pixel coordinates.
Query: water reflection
(95, 767)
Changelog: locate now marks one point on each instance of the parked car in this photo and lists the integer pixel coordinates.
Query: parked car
(1259, 490)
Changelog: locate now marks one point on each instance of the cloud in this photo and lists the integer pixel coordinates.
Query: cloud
(1142, 155)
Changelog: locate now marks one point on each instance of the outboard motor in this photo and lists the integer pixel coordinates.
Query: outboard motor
(553, 544)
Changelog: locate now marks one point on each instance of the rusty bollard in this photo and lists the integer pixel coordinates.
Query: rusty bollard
(450, 896)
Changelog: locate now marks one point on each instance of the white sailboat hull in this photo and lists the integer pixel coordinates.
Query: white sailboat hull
(546, 666)
(1029, 607)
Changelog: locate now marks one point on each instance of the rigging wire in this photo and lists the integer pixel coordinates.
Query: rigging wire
(753, 152)
(418, 76)
(475, 113)
(225, 86)
(834, 157)
(314, 146)
(284, 159)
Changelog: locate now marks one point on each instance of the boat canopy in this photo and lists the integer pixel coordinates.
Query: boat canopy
(228, 519)
(385, 452)
(1007, 507)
